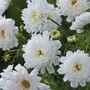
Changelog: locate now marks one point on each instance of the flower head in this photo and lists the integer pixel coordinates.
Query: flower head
(19, 79)
(41, 52)
(37, 16)
(76, 67)
(72, 8)
(8, 32)
(80, 22)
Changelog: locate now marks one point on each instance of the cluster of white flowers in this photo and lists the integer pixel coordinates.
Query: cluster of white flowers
(42, 52)
(19, 79)
(76, 67)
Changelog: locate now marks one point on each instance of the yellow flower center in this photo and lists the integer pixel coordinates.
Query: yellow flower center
(2, 33)
(25, 84)
(36, 15)
(39, 53)
(73, 2)
(77, 67)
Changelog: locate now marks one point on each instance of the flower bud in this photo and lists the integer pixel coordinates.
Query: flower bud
(55, 34)
(72, 39)
(7, 57)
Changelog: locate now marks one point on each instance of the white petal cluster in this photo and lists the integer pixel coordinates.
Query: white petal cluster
(41, 52)
(19, 79)
(8, 32)
(72, 8)
(4, 5)
(80, 22)
(53, 19)
(76, 67)
(35, 16)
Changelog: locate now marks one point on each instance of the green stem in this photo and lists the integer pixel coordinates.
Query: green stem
(16, 8)
(54, 22)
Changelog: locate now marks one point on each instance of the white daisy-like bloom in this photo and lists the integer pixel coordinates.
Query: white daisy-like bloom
(4, 5)
(41, 52)
(36, 15)
(8, 32)
(80, 22)
(19, 79)
(76, 68)
(72, 8)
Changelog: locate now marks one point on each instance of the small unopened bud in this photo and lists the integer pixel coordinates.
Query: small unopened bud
(7, 57)
(21, 28)
(55, 34)
(72, 39)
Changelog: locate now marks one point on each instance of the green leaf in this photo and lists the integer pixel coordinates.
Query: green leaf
(14, 10)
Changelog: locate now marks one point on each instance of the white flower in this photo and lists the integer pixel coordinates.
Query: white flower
(4, 5)
(21, 80)
(7, 34)
(53, 19)
(41, 52)
(7, 71)
(76, 67)
(36, 15)
(72, 8)
(80, 22)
